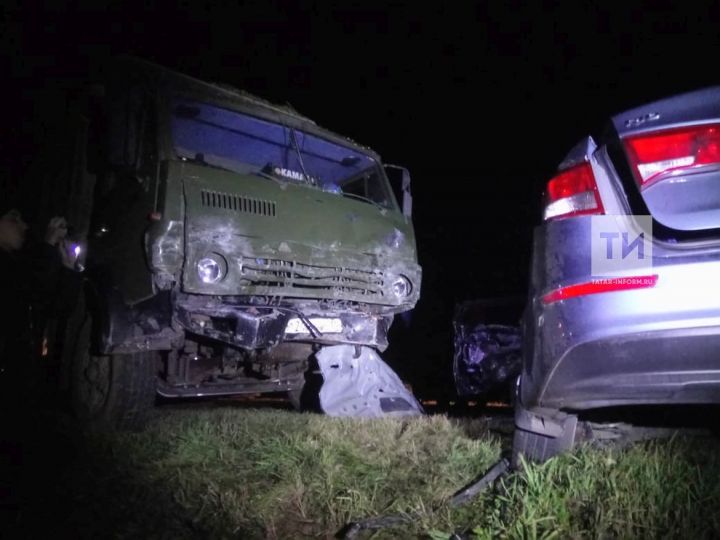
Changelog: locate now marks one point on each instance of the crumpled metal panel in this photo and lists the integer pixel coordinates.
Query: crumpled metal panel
(486, 357)
(357, 383)
(165, 251)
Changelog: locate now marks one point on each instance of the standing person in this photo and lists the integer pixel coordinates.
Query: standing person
(15, 347)
(31, 281)
(33, 284)
(50, 265)
(15, 325)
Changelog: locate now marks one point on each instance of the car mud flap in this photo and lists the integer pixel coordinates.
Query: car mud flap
(357, 383)
(542, 435)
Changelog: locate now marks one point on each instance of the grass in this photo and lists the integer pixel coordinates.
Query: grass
(665, 489)
(238, 473)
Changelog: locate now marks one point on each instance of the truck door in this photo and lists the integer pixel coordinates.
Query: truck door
(126, 147)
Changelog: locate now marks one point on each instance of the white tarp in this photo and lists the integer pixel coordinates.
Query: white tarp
(356, 382)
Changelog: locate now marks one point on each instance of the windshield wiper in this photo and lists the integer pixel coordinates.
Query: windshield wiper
(263, 174)
(364, 199)
(200, 160)
(293, 138)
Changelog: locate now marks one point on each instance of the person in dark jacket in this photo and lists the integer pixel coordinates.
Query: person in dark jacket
(15, 326)
(33, 283)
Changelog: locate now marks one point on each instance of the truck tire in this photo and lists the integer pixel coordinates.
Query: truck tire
(109, 392)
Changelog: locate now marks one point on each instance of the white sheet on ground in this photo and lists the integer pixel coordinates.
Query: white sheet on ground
(361, 385)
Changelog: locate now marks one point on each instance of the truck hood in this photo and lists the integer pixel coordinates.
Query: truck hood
(279, 238)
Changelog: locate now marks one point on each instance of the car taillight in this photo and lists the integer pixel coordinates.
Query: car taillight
(673, 152)
(573, 192)
(598, 286)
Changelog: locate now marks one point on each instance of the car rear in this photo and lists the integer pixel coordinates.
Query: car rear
(639, 334)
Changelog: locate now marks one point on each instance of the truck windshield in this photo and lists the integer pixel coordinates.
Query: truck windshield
(245, 144)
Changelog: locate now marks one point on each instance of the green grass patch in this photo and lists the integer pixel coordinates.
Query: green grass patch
(238, 473)
(661, 489)
(229, 473)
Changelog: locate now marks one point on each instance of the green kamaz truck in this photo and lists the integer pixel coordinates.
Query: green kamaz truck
(223, 240)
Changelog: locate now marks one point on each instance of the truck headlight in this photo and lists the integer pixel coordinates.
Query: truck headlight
(211, 268)
(401, 287)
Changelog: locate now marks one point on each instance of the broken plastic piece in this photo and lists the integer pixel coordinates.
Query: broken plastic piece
(356, 382)
(471, 491)
(462, 497)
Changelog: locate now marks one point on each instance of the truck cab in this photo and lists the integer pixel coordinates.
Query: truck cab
(223, 241)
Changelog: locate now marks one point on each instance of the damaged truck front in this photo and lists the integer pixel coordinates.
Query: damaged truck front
(229, 240)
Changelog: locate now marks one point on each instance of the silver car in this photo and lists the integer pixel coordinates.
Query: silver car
(633, 334)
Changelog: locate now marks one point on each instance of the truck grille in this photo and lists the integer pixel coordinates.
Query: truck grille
(237, 203)
(293, 275)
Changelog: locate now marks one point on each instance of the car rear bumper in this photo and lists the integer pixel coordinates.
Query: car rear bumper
(655, 345)
(666, 366)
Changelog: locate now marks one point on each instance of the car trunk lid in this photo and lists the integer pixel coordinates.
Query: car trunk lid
(673, 149)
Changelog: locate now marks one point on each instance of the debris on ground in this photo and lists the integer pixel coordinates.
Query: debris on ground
(356, 382)
(462, 497)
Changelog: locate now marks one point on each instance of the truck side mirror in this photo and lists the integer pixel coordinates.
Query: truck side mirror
(400, 181)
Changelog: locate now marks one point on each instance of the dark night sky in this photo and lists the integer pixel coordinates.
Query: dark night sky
(480, 101)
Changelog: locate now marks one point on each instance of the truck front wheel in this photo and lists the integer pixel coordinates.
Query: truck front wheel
(111, 391)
